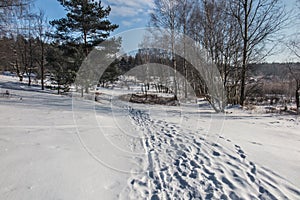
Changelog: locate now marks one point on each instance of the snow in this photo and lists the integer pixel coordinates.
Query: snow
(61, 147)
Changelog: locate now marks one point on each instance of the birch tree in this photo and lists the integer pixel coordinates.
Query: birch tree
(165, 16)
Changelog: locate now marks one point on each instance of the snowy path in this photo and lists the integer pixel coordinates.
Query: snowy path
(55, 147)
(185, 165)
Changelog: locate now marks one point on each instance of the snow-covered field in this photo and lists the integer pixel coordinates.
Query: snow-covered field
(58, 147)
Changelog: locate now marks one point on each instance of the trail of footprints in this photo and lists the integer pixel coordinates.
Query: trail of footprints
(187, 166)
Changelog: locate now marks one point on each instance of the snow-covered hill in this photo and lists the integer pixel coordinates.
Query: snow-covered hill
(58, 147)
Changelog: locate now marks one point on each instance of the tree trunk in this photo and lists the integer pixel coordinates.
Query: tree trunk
(174, 62)
(242, 95)
(297, 99)
(184, 64)
(245, 51)
(42, 66)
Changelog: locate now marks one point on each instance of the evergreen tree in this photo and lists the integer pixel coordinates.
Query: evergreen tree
(61, 66)
(85, 25)
(111, 73)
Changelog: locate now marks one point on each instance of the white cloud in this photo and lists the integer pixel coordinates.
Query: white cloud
(131, 22)
(122, 11)
(129, 8)
(127, 23)
(130, 13)
(133, 3)
(138, 20)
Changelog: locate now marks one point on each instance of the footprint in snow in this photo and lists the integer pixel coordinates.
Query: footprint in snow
(215, 153)
(240, 151)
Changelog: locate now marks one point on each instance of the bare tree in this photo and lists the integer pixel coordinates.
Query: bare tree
(25, 47)
(293, 43)
(295, 76)
(235, 33)
(184, 17)
(12, 3)
(165, 16)
(9, 8)
(294, 46)
(42, 37)
(258, 21)
(214, 28)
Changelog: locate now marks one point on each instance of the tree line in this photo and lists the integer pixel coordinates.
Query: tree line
(235, 34)
(31, 44)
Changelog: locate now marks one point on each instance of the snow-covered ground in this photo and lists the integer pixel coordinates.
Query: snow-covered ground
(58, 147)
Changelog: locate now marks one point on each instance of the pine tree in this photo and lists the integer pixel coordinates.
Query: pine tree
(111, 73)
(61, 66)
(86, 24)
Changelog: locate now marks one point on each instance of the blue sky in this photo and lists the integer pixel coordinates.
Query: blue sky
(130, 14)
(127, 14)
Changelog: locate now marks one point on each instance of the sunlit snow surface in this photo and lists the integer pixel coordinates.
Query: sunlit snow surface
(59, 147)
